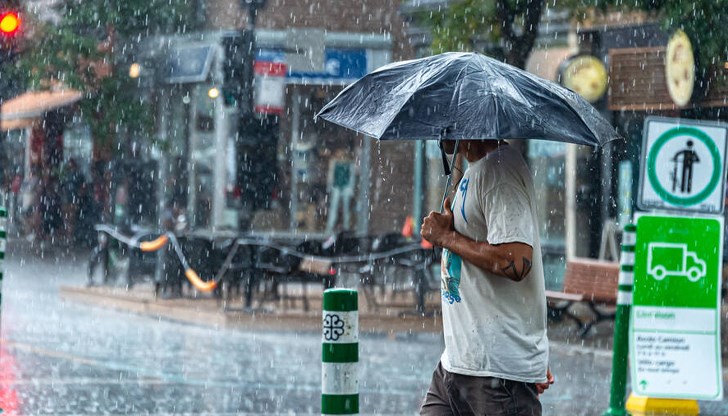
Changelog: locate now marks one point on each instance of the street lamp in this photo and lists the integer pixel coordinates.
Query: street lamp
(135, 70)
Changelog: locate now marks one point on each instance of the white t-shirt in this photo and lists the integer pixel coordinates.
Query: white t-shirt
(493, 326)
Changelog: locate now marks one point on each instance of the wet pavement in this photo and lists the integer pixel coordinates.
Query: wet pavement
(64, 357)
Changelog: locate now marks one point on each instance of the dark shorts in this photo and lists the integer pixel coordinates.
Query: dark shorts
(456, 394)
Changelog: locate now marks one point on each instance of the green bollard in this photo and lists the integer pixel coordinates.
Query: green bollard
(620, 348)
(340, 353)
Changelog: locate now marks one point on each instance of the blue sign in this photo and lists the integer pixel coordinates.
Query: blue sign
(340, 65)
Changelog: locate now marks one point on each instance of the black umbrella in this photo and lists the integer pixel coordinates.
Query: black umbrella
(465, 96)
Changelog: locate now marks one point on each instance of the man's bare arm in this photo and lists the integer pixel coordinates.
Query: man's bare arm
(510, 260)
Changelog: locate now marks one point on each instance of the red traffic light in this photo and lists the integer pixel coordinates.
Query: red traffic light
(9, 23)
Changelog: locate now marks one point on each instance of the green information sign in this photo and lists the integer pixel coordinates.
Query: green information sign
(675, 325)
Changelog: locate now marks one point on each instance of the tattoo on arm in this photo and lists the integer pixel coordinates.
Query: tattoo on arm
(512, 272)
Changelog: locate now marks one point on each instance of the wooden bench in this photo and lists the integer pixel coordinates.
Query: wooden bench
(593, 282)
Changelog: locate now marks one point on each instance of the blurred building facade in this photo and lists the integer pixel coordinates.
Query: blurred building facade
(617, 63)
(308, 52)
(305, 54)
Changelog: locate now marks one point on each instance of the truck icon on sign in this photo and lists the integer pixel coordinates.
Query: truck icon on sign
(672, 259)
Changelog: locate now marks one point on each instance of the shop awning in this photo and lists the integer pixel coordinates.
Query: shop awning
(189, 64)
(33, 104)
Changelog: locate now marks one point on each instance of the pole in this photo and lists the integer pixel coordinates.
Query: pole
(3, 243)
(191, 164)
(362, 201)
(257, 133)
(340, 353)
(571, 231)
(221, 135)
(295, 162)
(419, 187)
(3, 240)
(620, 348)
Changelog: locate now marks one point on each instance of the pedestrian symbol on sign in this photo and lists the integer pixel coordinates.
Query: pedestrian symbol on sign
(683, 167)
(685, 158)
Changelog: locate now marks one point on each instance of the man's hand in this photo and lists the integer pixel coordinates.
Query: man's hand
(436, 226)
(541, 387)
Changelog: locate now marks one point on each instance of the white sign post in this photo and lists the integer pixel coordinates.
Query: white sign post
(675, 324)
(683, 165)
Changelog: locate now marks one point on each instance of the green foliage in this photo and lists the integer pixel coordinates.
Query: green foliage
(504, 29)
(466, 25)
(705, 22)
(462, 25)
(80, 51)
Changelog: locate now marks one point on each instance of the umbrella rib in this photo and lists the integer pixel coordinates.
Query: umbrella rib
(455, 97)
(391, 119)
(588, 124)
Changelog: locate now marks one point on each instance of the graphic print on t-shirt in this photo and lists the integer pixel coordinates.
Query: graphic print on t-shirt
(450, 276)
(463, 195)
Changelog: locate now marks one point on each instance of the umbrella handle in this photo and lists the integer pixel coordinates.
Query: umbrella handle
(448, 171)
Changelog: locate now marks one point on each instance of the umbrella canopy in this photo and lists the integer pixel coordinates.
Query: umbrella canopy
(465, 96)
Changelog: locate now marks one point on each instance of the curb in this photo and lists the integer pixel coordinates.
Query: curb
(209, 313)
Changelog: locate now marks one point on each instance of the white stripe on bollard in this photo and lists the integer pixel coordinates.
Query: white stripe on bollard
(626, 257)
(629, 238)
(624, 298)
(626, 278)
(340, 378)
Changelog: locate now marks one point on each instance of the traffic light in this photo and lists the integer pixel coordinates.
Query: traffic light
(238, 72)
(9, 23)
(257, 138)
(258, 174)
(10, 26)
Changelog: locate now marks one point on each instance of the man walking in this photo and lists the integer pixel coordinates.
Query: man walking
(493, 302)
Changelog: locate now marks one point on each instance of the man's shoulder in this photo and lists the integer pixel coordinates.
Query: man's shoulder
(506, 159)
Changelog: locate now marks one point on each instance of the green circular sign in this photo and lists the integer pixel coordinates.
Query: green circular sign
(652, 171)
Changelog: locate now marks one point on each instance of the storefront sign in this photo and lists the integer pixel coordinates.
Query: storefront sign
(341, 66)
(270, 87)
(684, 165)
(586, 75)
(680, 68)
(675, 332)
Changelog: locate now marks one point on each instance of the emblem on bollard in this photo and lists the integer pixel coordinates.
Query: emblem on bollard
(333, 327)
